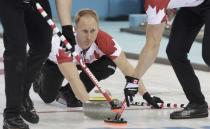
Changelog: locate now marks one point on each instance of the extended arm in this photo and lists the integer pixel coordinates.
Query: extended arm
(150, 50)
(64, 11)
(70, 72)
(127, 69)
(66, 66)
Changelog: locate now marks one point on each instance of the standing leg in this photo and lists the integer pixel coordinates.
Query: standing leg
(12, 19)
(206, 38)
(39, 40)
(185, 27)
(182, 36)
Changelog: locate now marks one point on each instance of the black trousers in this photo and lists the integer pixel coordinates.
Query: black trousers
(50, 78)
(185, 28)
(22, 25)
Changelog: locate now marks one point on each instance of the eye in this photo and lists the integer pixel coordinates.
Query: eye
(92, 31)
(85, 31)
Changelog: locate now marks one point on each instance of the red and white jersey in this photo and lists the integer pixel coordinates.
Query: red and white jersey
(156, 9)
(103, 45)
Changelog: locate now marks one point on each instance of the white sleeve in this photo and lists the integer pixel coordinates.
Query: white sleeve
(156, 9)
(54, 49)
(184, 3)
(118, 49)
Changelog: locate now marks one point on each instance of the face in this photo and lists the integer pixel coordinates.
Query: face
(86, 31)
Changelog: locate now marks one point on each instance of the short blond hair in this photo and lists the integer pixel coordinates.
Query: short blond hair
(86, 12)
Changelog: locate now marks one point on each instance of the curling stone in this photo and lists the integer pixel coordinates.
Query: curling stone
(107, 91)
(99, 109)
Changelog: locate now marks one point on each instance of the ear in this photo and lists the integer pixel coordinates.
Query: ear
(98, 29)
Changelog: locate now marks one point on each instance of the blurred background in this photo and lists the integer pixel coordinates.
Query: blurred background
(125, 20)
(107, 9)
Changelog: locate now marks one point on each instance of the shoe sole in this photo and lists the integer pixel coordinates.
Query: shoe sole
(61, 101)
(191, 116)
(27, 118)
(13, 128)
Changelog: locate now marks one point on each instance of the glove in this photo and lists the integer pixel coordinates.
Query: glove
(67, 31)
(115, 104)
(63, 56)
(152, 100)
(130, 89)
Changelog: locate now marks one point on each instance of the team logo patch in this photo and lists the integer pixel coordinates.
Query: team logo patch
(158, 4)
(135, 81)
(156, 10)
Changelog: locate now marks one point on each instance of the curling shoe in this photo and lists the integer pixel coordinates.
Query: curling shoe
(28, 112)
(14, 123)
(192, 110)
(66, 97)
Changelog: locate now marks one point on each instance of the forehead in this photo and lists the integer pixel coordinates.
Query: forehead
(87, 20)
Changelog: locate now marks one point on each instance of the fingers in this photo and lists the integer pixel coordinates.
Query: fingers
(155, 102)
(157, 99)
(127, 101)
(152, 101)
(131, 98)
(62, 45)
(63, 57)
(155, 106)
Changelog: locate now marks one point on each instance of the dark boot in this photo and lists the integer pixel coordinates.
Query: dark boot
(192, 110)
(67, 97)
(38, 83)
(14, 123)
(36, 87)
(28, 112)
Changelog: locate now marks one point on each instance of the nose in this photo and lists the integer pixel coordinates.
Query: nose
(89, 36)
